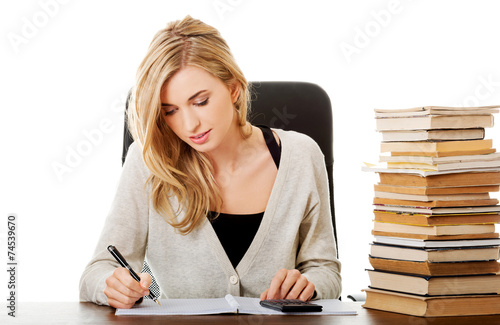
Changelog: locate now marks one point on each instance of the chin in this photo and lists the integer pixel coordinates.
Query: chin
(204, 148)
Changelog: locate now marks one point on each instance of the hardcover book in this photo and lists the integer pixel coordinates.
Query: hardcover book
(436, 204)
(434, 268)
(444, 146)
(436, 110)
(445, 180)
(448, 254)
(435, 285)
(434, 122)
(436, 220)
(426, 190)
(434, 230)
(432, 306)
(490, 240)
(433, 135)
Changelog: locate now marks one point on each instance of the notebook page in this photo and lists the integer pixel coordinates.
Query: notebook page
(252, 306)
(335, 307)
(180, 307)
(330, 307)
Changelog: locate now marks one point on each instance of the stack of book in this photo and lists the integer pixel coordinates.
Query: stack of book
(435, 250)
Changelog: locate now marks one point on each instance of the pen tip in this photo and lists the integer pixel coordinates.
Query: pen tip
(158, 302)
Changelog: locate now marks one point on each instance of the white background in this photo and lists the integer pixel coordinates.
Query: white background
(65, 70)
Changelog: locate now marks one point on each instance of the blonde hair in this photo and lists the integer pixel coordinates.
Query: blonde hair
(177, 170)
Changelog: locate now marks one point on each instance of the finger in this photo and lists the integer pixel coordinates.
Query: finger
(118, 304)
(263, 296)
(297, 288)
(289, 282)
(118, 300)
(274, 287)
(126, 284)
(308, 292)
(146, 280)
(115, 290)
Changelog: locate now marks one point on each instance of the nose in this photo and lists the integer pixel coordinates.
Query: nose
(191, 120)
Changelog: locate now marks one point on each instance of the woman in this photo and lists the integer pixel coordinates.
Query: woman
(213, 203)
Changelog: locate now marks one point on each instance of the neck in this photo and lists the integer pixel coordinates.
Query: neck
(230, 155)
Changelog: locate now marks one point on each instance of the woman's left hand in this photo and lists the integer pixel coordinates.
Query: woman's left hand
(289, 284)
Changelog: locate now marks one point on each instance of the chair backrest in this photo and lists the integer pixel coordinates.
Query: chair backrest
(298, 106)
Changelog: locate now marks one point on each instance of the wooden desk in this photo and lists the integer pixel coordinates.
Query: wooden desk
(73, 313)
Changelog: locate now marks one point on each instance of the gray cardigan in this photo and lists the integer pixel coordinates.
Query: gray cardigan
(295, 232)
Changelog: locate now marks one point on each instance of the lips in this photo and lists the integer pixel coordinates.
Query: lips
(200, 138)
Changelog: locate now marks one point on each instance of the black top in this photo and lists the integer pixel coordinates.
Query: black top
(236, 231)
(272, 145)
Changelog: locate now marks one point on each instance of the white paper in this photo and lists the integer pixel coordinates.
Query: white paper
(245, 305)
(180, 307)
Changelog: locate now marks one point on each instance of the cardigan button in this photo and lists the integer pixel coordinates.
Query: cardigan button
(233, 279)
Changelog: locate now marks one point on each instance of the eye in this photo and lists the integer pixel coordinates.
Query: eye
(202, 103)
(170, 112)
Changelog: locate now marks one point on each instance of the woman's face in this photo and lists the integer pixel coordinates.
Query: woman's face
(198, 108)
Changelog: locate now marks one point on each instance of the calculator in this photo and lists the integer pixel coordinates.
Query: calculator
(290, 305)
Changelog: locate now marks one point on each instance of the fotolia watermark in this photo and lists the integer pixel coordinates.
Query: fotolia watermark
(364, 35)
(484, 89)
(90, 139)
(224, 6)
(31, 25)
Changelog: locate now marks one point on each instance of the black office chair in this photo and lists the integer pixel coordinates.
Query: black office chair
(299, 106)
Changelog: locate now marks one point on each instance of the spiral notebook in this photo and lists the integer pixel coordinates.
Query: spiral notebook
(227, 305)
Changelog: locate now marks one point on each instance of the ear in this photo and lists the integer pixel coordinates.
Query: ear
(235, 89)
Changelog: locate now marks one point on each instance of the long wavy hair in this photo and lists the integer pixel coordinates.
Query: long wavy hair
(177, 170)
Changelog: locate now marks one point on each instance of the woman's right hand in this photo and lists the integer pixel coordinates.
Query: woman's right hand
(123, 291)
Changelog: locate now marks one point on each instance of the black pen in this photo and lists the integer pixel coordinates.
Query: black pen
(116, 254)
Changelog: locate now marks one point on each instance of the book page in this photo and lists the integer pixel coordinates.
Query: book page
(330, 307)
(229, 304)
(180, 307)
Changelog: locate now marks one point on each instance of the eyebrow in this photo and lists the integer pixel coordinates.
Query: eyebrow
(190, 98)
